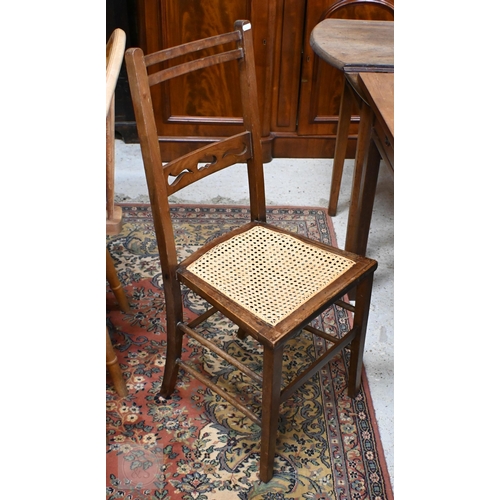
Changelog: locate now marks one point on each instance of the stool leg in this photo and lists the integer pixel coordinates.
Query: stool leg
(114, 368)
(273, 359)
(115, 284)
(362, 309)
(346, 105)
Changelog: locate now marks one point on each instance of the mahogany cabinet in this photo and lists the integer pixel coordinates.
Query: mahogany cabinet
(299, 93)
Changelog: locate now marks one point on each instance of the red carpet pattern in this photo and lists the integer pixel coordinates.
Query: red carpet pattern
(198, 447)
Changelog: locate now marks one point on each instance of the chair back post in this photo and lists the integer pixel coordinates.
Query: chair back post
(251, 120)
(153, 167)
(115, 48)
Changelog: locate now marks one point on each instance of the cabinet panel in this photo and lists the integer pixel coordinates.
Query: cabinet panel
(287, 62)
(210, 92)
(205, 104)
(321, 84)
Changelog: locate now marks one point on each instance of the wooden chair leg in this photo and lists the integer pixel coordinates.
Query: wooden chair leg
(115, 283)
(174, 316)
(273, 360)
(114, 368)
(362, 309)
(174, 350)
(346, 105)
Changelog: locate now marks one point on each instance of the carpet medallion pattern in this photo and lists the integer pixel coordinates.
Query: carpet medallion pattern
(198, 446)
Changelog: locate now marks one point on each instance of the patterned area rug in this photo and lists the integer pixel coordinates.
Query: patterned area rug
(198, 447)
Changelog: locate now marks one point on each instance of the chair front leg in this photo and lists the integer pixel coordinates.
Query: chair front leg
(362, 309)
(273, 359)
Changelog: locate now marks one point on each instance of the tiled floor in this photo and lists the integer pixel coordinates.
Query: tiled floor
(307, 183)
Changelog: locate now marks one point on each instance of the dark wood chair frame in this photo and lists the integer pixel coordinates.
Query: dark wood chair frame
(165, 179)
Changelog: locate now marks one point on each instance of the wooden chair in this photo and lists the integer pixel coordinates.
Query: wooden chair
(270, 283)
(115, 48)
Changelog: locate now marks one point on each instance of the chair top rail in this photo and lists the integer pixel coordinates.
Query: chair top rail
(190, 47)
(187, 67)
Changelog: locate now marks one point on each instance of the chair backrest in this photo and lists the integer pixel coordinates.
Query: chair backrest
(163, 180)
(115, 49)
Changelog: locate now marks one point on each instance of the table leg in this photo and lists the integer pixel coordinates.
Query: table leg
(345, 112)
(366, 168)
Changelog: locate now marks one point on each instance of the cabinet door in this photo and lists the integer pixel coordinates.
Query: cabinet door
(321, 84)
(290, 15)
(205, 104)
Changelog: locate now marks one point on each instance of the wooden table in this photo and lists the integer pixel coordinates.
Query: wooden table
(376, 143)
(379, 91)
(354, 47)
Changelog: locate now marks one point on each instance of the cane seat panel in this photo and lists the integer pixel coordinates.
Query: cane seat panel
(269, 273)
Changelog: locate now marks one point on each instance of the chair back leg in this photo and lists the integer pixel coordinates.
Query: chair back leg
(174, 343)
